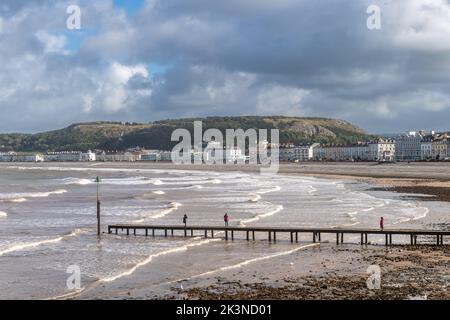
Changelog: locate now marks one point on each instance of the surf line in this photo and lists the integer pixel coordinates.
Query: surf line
(24, 246)
(134, 268)
(260, 216)
(247, 262)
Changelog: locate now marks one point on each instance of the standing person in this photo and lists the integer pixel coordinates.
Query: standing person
(225, 219)
(382, 223)
(185, 220)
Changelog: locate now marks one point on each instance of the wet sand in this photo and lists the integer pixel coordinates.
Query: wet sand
(406, 273)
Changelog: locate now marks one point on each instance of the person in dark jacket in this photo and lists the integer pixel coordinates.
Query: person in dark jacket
(185, 220)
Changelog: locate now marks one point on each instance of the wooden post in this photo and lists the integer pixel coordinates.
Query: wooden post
(226, 234)
(185, 232)
(438, 240)
(248, 235)
(365, 236)
(128, 231)
(320, 237)
(342, 238)
(411, 238)
(337, 238)
(165, 233)
(212, 233)
(134, 231)
(314, 237)
(117, 231)
(206, 233)
(192, 232)
(253, 235)
(171, 232)
(362, 238)
(292, 237)
(98, 206)
(153, 232)
(296, 237)
(390, 239)
(232, 234)
(146, 232)
(387, 239)
(274, 236)
(270, 236)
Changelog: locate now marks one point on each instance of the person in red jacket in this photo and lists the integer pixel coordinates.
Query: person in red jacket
(382, 223)
(225, 219)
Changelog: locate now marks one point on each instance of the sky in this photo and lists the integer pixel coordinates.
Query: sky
(147, 60)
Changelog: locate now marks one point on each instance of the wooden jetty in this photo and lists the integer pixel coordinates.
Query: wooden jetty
(316, 233)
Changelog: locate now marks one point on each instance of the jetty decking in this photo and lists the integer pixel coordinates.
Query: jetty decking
(316, 233)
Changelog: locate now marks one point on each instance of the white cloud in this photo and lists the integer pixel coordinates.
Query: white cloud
(275, 98)
(420, 24)
(52, 43)
(113, 85)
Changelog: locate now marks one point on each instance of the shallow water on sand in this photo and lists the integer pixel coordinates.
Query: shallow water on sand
(47, 220)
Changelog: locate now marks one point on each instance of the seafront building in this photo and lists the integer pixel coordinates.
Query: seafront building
(70, 156)
(21, 157)
(408, 146)
(435, 146)
(294, 153)
(412, 146)
(377, 150)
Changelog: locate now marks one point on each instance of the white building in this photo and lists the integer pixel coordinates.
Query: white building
(165, 156)
(117, 156)
(297, 153)
(21, 157)
(382, 150)
(150, 155)
(408, 146)
(426, 148)
(377, 150)
(234, 154)
(70, 156)
(88, 156)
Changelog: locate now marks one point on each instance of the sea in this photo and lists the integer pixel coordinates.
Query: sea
(48, 221)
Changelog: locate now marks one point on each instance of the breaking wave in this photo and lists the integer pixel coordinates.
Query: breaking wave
(29, 245)
(21, 197)
(261, 216)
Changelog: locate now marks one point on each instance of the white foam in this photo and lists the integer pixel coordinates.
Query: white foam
(264, 215)
(160, 192)
(423, 215)
(24, 246)
(255, 197)
(275, 189)
(153, 256)
(3, 214)
(172, 207)
(312, 190)
(20, 197)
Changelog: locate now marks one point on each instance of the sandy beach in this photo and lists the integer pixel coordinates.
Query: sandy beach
(407, 272)
(325, 271)
(187, 269)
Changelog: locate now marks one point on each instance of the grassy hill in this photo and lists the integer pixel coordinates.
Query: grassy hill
(156, 135)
